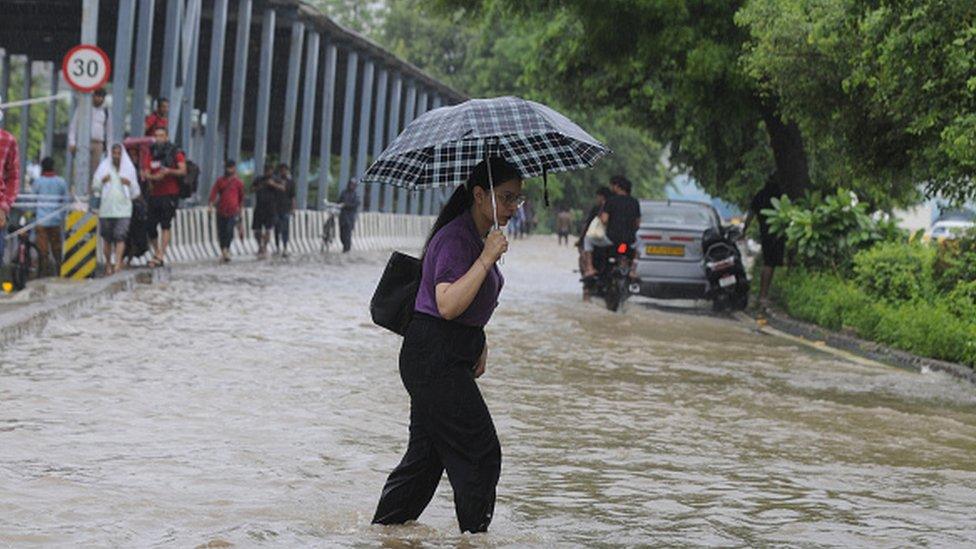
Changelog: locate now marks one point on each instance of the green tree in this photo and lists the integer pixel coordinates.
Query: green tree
(674, 67)
(483, 54)
(886, 89)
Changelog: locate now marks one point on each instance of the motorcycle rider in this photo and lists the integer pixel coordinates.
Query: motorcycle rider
(621, 215)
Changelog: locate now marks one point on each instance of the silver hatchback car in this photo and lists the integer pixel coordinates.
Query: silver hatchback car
(669, 248)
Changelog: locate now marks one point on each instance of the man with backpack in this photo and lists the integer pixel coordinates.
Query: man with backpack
(166, 171)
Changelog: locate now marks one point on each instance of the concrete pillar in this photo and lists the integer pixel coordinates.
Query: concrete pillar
(143, 67)
(440, 195)
(89, 35)
(264, 90)
(349, 103)
(328, 108)
(120, 67)
(291, 91)
(188, 29)
(5, 84)
(52, 111)
(25, 119)
(420, 203)
(240, 80)
(365, 106)
(393, 129)
(379, 131)
(308, 116)
(403, 196)
(213, 156)
(171, 48)
(191, 45)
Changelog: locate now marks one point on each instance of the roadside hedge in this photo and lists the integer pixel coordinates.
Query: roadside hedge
(932, 328)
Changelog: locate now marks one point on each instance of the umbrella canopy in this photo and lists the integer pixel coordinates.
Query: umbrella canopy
(440, 148)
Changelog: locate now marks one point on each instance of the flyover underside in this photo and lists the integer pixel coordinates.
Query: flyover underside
(301, 55)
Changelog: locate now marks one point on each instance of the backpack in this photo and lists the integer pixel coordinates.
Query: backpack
(188, 183)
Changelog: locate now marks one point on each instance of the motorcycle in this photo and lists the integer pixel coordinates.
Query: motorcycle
(612, 281)
(728, 286)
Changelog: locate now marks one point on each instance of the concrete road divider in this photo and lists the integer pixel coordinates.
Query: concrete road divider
(195, 234)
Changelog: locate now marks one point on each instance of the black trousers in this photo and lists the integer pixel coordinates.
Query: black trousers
(346, 225)
(225, 230)
(450, 428)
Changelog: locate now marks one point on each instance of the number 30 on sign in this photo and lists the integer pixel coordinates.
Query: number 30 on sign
(86, 68)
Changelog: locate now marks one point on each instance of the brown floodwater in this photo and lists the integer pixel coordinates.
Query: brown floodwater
(256, 404)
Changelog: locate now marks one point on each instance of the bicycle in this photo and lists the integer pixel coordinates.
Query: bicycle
(329, 226)
(25, 261)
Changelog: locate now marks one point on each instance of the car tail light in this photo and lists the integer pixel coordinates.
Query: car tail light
(682, 239)
(622, 248)
(650, 237)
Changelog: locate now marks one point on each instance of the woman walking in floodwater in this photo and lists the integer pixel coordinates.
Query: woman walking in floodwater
(444, 350)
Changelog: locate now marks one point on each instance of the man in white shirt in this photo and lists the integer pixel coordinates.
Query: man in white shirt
(101, 129)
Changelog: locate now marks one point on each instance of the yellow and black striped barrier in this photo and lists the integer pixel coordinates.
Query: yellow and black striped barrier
(80, 245)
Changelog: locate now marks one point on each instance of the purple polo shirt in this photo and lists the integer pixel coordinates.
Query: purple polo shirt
(450, 255)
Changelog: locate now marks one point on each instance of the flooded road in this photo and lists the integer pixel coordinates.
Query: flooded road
(257, 405)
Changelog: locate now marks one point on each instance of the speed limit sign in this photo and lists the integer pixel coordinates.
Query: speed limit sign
(86, 68)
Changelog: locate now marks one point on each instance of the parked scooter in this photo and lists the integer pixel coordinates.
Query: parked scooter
(728, 287)
(612, 281)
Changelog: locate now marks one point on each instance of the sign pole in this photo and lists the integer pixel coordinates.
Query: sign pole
(82, 168)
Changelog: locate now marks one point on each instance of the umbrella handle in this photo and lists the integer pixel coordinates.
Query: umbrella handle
(491, 188)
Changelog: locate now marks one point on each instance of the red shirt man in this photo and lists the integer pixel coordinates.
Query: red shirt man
(163, 169)
(169, 183)
(228, 194)
(158, 118)
(9, 175)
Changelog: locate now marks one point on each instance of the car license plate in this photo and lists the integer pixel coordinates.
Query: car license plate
(726, 281)
(678, 251)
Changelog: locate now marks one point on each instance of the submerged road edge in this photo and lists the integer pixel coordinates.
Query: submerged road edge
(851, 348)
(31, 318)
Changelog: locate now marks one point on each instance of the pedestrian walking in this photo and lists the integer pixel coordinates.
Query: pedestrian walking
(515, 225)
(444, 350)
(564, 220)
(101, 129)
(9, 180)
(228, 196)
(52, 191)
(116, 184)
(164, 167)
(773, 246)
(528, 219)
(347, 215)
(265, 216)
(284, 205)
(159, 117)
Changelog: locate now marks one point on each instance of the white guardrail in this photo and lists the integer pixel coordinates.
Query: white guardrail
(194, 236)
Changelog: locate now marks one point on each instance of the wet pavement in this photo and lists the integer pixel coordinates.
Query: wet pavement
(257, 404)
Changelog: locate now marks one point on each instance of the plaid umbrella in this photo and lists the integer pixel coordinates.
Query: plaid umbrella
(440, 148)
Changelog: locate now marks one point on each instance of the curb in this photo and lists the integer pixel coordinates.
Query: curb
(32, 318)
(870, 350)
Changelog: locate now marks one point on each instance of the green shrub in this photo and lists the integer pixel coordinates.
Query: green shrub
(955, 262)
(961, 301)
(920, 327)
(896, 272)
(826, 231)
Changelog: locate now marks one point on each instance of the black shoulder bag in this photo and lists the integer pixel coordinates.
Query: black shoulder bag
(393, 301)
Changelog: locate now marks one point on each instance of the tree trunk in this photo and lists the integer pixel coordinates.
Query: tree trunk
(788, 152)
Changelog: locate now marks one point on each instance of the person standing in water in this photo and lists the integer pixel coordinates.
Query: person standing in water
(444, 350)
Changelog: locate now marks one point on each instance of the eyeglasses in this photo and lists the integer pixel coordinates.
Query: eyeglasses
(512, 199)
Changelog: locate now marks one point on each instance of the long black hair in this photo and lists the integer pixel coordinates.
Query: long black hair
(463, 197)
